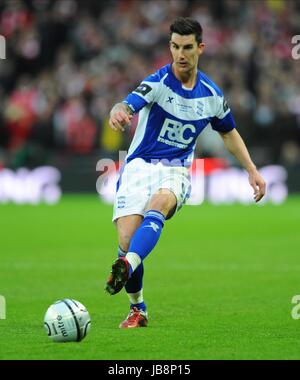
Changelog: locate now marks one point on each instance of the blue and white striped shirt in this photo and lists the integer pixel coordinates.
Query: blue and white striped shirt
(171, 117)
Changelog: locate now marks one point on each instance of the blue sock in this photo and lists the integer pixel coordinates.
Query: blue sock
(140, 306)
(148, 233)
(135, 282)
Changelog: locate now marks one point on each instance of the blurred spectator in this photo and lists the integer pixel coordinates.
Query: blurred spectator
(74, 128)
(290, 153)
(21, 112)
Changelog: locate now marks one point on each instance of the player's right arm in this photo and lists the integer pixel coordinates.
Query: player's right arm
(122, 113)
(120, 116)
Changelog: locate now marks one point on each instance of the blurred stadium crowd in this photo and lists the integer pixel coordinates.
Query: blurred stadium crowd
(68, 61)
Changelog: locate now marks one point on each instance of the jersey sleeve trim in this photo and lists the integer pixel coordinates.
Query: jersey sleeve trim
(226, 124)
(144, 94)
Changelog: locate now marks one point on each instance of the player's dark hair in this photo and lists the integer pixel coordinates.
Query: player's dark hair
(185, 26)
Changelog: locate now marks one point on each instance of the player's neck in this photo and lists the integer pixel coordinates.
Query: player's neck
(188, 79)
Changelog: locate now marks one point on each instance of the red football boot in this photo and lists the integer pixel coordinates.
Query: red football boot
(136, 318)
(119, 276)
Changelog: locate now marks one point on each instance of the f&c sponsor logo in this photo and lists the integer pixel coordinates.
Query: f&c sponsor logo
(177, 134)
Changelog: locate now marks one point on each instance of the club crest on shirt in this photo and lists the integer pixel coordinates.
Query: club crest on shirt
(200, 107)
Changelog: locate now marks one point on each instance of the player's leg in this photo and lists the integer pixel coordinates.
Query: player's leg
(173, 188)
(130, 202)
(126, 227)
(142, 241)
(138, 317)
(162, 205)
(164, 201)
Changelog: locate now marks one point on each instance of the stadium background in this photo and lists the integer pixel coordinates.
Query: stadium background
(67, 62)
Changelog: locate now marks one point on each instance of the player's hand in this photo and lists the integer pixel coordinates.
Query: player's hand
(258, 184)
(119, 119)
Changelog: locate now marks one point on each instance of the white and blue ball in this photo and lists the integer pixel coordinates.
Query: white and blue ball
(67, 320)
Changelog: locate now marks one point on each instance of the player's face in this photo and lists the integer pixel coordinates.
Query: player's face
(185, 51)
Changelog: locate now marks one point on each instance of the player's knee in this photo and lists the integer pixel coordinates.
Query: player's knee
(163, 202)
(126, 227)
(124, 239)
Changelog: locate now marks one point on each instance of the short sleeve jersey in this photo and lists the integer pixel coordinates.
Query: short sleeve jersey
(171, 117)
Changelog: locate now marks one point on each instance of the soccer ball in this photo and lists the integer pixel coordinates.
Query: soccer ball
(67, 320)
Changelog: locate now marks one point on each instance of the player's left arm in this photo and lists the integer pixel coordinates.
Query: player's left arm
(236, 146)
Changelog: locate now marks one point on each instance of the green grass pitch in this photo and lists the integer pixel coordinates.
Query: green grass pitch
(218, 285)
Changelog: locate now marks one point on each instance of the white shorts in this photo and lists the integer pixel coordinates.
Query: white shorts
(139, 180)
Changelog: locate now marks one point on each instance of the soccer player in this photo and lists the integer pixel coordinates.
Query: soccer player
(175, 104)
